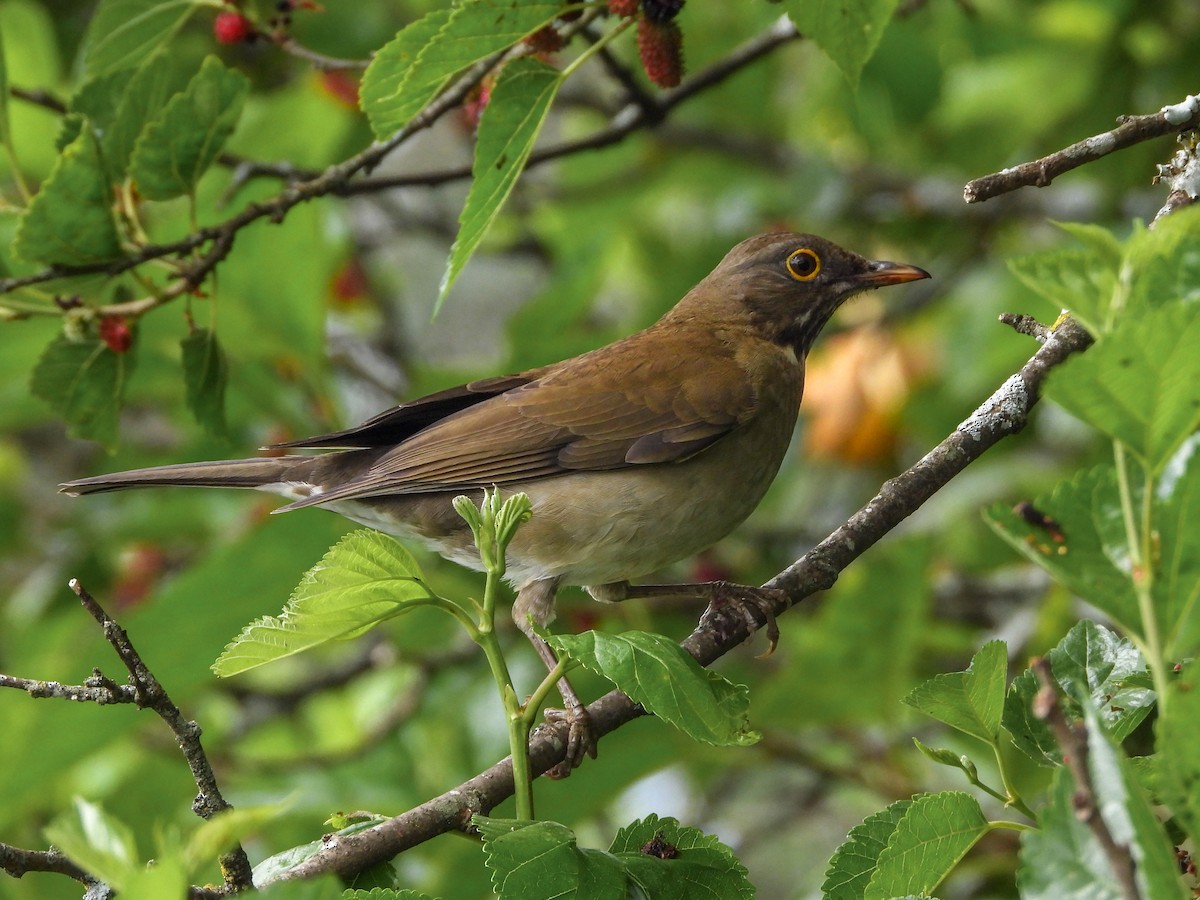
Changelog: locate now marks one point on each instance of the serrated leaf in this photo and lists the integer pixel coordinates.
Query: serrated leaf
(659, 674)
(848, 31)
(204, 373)
(535, 860)
(1177, 769)
(1089, 662)
(96, 841)
(508, 129)
(177, 148)
(144, 94)
(1081, 280)
(970, 701)
(364, 579)
(1080, 561)
(413, 67)
(122, 33)
(70, 219)
(934, 833)
(1164, 262)
(852, 865)
(1139, 385)
(84, 382)
(386, 894)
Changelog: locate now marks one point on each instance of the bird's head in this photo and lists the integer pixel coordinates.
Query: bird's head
(790, 284)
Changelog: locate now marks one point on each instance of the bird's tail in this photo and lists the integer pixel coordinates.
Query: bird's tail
(263, 472)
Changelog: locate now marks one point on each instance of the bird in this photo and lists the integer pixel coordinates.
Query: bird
(635, 455)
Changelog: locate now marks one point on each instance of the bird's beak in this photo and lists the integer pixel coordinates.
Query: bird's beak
(882, 272)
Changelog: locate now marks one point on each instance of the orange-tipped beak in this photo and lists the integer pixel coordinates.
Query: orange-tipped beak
(883, 272)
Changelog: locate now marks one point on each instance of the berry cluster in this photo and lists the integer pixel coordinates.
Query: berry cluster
(659, 40)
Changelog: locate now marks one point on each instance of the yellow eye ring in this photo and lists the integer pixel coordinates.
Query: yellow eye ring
(804, 265)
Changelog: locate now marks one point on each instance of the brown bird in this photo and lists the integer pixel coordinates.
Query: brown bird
(635, 455)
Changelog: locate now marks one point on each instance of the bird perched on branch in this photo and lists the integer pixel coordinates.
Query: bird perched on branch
(635, 455)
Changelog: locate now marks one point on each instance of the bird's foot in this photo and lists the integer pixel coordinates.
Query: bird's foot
(744, 600)
(581, 738)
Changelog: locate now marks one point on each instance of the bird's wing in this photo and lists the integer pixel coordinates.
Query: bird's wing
(616, 407)
(398, 424)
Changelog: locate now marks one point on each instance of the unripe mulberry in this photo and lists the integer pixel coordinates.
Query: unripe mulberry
(661, 47)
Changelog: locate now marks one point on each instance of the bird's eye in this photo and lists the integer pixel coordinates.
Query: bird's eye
(804, 265)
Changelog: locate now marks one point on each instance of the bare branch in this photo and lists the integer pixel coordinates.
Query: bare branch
(1131, 130)
(149, 693)
(16, 861)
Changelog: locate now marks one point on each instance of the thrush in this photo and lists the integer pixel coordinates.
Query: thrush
(635, 455)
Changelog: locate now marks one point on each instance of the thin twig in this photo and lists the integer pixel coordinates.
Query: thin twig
(1003, 414)
(149, 693)
(1131, 130)
(1027, 325)
(1072, 740)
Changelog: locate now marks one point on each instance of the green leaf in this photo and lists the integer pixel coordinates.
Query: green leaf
(413, 68)
(364, 579)
(934, 833)
(1082, 281)
(651, 858)
(220, 833)
(1140, 384)
(97, 842)
(70, 220)
(945, 757)
(659, 674)
(143, 95)
(1090, 663)
(853, 864)
(507, 131)
(1164, 262)
(385, 894)
(84, 382)
(848, 31)
(1080, 561)
(1177, 561)
(1126, 811)
(204, 373)
(970, 701)
(178, 147)
(1062, 860)
(1177, 767)
(123, 33)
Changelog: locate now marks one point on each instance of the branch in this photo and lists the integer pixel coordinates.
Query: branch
(337, 179)
(1004, 413)
(149, 692)
(1073, 743)
(1131, 130)
(16, 861)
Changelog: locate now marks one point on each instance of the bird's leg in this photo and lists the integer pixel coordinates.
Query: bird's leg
(742, 598)
(535, 604)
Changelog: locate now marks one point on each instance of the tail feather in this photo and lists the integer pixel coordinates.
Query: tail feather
(233, 473)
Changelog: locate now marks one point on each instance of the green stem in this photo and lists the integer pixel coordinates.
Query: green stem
(1012, 826)
(594, 48)
(1011, 797)
(538, 697)
(514, 714)
(1138, 536)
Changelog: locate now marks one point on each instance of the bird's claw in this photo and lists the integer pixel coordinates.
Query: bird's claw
(581, 738)
(742, 598)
